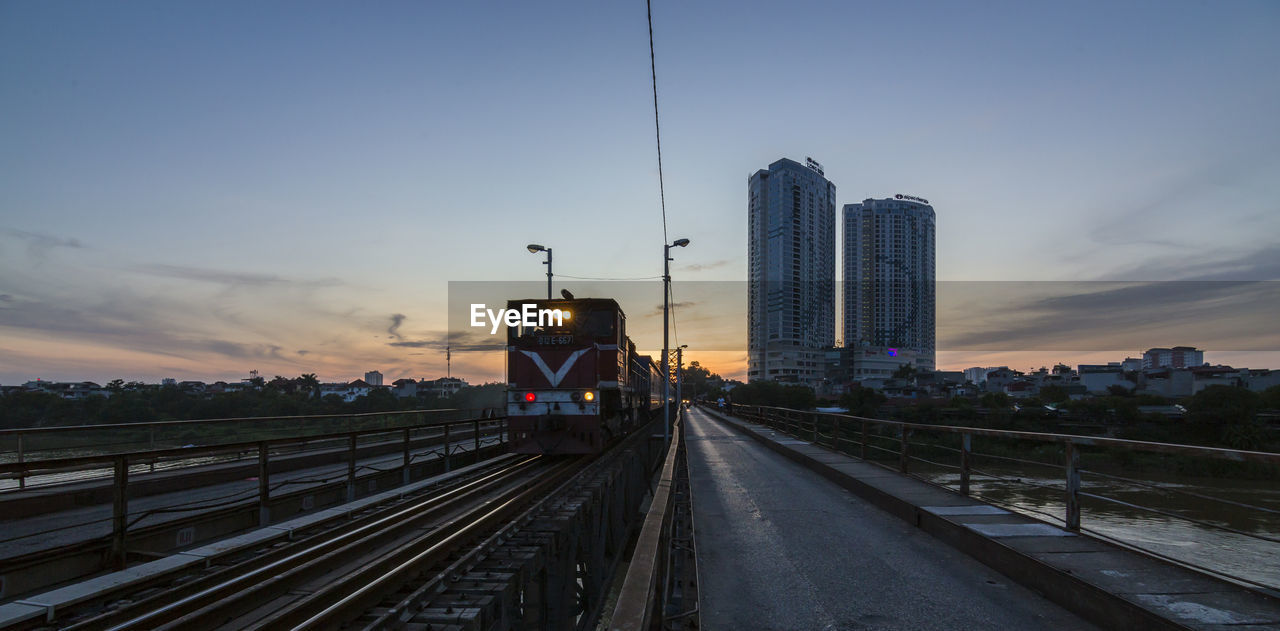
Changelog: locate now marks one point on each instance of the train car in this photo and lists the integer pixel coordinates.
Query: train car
(650, 397)
(574, 381)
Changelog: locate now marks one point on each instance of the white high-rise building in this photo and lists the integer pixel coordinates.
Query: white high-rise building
(889, 275)
(373, 378)
(791, 245)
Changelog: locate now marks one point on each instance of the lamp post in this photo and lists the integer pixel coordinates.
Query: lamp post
(535, 248)
(666, 342)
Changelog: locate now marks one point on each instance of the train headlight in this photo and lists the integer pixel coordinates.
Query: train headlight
(530, 397)
(589, 396)
(574, 396)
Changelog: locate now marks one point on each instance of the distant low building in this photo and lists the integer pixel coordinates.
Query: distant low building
(67, 389)
(348, 391)
(1021, 388)
(1099, 378)
(445, 387)
(1259, 380)
(977, 375)
(404, 388)
(1176, 357)
(1000, 377)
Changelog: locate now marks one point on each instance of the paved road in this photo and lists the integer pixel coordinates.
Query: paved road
(782, 548)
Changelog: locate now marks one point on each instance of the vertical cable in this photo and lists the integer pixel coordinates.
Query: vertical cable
(657, 130)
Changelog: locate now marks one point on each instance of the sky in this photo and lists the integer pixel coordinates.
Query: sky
(197, 190)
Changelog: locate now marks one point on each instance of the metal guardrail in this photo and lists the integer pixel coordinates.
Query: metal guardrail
(121, 463)
(659, 590)
(844, 432)
(30, 444)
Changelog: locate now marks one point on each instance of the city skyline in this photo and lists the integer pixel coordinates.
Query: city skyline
(185, 192)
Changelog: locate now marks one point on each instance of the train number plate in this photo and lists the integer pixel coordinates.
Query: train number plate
(554, 340)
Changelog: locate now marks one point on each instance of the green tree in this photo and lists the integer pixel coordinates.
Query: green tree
(995, 400)
(309, 384)
(771, 393)
(905, 371)
(1053, 394)
(1117, 390)
(862, 401)
(1270, 398)
(1224, 405)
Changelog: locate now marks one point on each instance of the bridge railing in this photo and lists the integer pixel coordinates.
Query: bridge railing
(30, 444)
(660, 590)
(901, 443)
(444, 438)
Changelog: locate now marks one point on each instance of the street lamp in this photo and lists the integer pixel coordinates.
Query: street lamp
(666, 343)
(534, 248)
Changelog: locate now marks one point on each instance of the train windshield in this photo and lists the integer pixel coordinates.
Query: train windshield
(581, 326)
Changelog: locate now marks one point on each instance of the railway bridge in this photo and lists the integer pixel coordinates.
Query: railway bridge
(750, 518)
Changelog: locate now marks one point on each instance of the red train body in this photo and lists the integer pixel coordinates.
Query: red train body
(575, 383)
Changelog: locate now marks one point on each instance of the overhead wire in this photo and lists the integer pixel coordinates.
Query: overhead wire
(657, 129)
(598, 278)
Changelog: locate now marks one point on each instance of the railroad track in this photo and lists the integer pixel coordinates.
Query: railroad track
(173, 596)
(388, 567)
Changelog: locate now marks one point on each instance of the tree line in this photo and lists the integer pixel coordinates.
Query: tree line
(135, 402)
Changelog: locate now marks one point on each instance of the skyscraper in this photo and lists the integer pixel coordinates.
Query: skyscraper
(889, 274)
(791, 286)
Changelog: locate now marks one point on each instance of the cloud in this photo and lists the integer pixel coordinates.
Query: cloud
(227, 278)
(1139, 224)
(1260, 264)
(396, 320)
(39, 245)
(124, 320)
(698, 267)
(464, 341)
(675, 305)
(1081, 316)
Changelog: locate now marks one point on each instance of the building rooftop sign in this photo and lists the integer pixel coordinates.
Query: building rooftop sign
(813, 164)
(911, 198)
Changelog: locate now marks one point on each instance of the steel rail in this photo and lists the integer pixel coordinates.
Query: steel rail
(395, 617)
(373, 581)
(299, 565)
(309, 535)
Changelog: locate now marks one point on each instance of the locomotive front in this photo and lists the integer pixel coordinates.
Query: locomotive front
(566, 376)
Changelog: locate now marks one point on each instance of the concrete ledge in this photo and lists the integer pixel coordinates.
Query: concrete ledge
(49, 603)
(1088, 576)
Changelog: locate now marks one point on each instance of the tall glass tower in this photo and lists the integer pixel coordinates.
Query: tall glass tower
(889, 275)
(791, 288)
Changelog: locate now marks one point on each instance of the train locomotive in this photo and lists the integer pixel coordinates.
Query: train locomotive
(575, 382)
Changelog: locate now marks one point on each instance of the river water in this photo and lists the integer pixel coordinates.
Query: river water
(1036, 492)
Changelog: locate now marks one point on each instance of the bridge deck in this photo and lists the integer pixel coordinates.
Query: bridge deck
(1109, 584)
(780, 548)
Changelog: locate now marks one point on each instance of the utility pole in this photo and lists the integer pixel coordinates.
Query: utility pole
(679, 377)
(666, 341)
